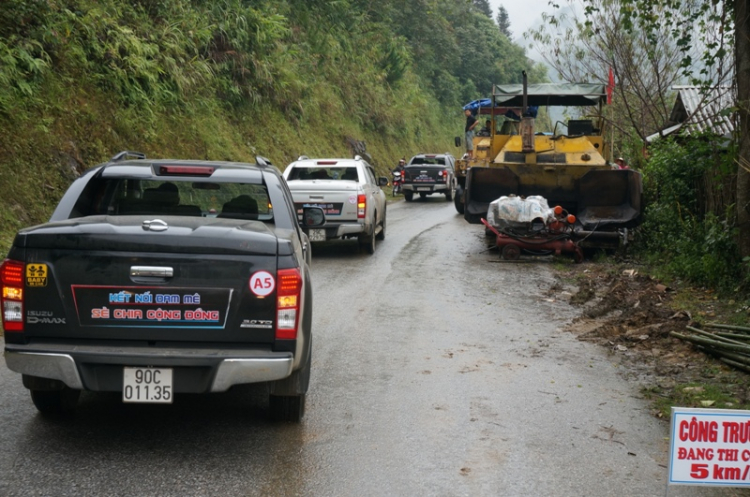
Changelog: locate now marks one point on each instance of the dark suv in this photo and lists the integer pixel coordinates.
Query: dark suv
(426, 174)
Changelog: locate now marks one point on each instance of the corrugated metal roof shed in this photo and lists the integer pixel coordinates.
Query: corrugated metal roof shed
(699, 109)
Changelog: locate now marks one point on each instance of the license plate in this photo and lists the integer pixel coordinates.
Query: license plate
(317, 235)
(147, 385)
(424, 189)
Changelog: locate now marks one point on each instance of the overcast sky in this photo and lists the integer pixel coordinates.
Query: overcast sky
(523, 14)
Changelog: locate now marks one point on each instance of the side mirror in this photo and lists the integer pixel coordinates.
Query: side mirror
(382, 181)
(313, 217)
(457, 141)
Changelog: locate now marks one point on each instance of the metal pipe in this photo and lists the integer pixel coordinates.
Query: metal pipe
(597, 234)
(527, 122)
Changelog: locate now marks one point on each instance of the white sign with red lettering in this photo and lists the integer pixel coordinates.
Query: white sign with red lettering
(262, 283)
(710, 447)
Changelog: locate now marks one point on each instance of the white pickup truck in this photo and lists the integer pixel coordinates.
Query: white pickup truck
(349, 194)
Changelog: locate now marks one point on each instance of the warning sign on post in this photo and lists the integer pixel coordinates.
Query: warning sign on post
(710, 447)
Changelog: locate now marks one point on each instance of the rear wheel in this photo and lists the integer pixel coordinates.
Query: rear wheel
(458, 202)
(408, 195)
(286, 397)
(287, 407)
(367, 242)
(55, 402)
(381, 235)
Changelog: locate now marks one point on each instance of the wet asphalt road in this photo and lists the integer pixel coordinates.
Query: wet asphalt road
(437, 370)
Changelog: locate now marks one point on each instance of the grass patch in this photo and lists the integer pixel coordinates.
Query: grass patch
(730, 395)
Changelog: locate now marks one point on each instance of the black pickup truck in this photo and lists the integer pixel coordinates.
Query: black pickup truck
(160, 277)
(426, 174)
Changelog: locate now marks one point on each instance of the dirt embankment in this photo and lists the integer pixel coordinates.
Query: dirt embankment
(632, 314)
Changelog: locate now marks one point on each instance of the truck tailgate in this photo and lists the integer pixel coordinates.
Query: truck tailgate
(424, 174)
(338, 199)
(102, 278)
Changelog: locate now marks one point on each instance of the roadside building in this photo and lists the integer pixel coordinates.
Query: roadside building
(698, 110)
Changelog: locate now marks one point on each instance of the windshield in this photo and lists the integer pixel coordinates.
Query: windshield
(123, 197)
(436, 161)
(317, 172)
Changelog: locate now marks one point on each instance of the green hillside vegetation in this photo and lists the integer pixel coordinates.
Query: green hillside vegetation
(228, 79)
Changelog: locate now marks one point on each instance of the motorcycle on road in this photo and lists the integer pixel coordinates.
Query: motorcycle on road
(398, 179)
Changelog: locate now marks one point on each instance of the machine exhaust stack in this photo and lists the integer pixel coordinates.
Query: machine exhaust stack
(527, 122)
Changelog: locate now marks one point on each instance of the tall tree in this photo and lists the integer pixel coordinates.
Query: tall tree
(483, 6)
(455, 47)
(706, 31)
(742, 61)
(645, 67)
(503, 21)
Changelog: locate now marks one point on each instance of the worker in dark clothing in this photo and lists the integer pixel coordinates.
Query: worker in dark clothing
(487, 129)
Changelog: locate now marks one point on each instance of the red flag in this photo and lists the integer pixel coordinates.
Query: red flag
(610, 86)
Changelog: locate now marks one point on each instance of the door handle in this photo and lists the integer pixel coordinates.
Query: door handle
(152, 271)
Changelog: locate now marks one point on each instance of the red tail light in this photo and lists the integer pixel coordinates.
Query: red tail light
(288, 295)
(444, 174)
(361, 206)
(11, 298)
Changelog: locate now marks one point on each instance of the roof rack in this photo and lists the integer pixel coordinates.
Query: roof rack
(262, 161)
(125, 154)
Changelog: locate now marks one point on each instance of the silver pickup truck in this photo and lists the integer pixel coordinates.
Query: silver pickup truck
(349, 194)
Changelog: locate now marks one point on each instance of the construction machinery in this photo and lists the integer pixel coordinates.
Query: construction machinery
(569, 166)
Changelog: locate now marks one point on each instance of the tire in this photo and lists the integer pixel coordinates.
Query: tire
(287, 408)
(408, 195)
(367, 242)
(473, 218)
(449, 194)
(55, 402)
(395, 191)
(511, 252)
(458, 202)
(286, 397)
(381, 235)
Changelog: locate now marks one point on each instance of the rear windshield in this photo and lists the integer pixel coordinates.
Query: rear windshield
(125, 197)
(437, 161)
(317, 172)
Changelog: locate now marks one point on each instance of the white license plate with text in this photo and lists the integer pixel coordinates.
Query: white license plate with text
(317, 235)
(147, 385)
(424, 189)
